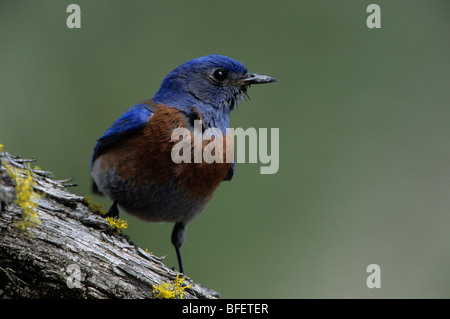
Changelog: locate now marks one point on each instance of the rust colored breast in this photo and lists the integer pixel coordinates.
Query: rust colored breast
(145, 157)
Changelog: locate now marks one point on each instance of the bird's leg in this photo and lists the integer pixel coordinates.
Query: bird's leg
(113, 211)
(177, 241)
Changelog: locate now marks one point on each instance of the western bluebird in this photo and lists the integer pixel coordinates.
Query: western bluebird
(132, 163)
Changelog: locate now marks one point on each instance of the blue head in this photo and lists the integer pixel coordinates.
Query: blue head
(210, 86)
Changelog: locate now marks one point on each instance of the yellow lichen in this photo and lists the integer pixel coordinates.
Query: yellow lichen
(175, 290)
(117, 224)
(26, 197)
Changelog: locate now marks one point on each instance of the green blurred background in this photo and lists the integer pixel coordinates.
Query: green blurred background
(364, 132)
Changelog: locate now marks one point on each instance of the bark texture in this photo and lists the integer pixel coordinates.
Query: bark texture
(72, 252)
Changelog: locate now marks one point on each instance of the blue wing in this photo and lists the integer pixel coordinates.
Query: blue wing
(131, 121)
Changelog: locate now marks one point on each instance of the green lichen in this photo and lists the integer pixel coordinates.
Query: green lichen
(95, 207)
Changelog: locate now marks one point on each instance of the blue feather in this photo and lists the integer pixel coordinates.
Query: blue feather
(131, 121)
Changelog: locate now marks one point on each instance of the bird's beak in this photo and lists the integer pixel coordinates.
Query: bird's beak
(253, 78)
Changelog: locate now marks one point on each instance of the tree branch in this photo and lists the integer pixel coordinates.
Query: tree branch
(69, 251)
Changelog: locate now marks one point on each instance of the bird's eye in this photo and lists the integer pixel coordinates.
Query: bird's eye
(219, 75)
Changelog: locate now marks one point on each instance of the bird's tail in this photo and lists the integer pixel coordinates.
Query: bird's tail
(94, 189)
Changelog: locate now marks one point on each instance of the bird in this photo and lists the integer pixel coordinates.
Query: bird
(132, 164)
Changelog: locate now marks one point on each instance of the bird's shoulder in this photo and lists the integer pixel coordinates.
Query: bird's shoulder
(133, 120)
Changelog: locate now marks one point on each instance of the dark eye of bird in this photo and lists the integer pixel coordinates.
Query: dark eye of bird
(219, 75)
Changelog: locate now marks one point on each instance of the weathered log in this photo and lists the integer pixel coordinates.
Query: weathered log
(69, 250)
